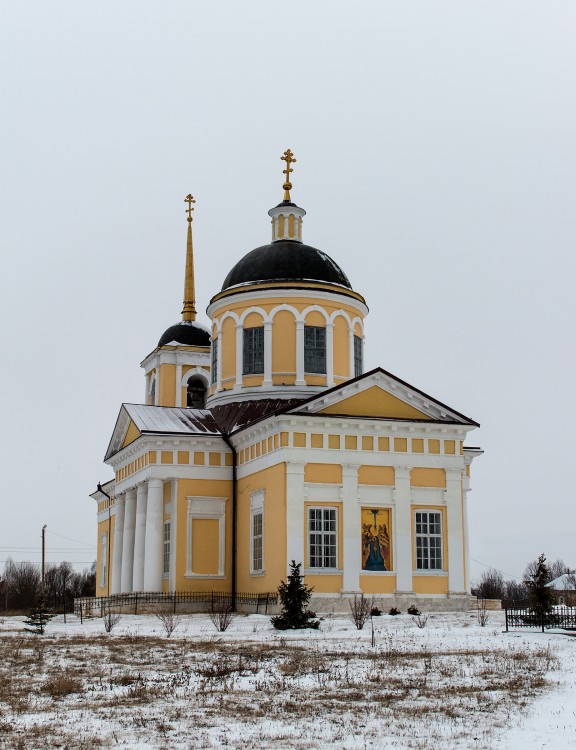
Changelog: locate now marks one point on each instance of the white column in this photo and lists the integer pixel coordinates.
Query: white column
(139, 540)
(403, 530)
(128, 542)
(178, 385)
(173, 534)
(157, 386)
(154, 536)
(352, 562)
(329, 354)
(118, 542)
(465, 491)
(300, 353)
(267, 353)
(351, 352)
(456, 584)
(239, 354)
(295, 522)
(219, 363)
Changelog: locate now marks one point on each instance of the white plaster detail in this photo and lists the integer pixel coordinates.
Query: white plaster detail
(206, 508)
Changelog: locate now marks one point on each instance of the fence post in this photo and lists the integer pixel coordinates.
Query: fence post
(81, 619)
(542, 619)
(266, 609)
(506, 617)
(174, 602)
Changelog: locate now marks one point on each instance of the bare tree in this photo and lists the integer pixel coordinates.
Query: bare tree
(222, 614)
(169, 621)
(491, 585)
(558, 568)
(22, 584)
(360, 610)
(515, 591)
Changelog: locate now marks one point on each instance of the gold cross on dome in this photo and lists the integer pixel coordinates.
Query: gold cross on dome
(289, 159)
(189, 199)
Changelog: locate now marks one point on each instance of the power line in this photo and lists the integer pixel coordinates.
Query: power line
(491, 567)
(55, 533)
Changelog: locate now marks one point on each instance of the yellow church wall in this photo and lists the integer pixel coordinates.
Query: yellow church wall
(104, 527)
(315, 379)
(253, 320)
(437, 584)
(273, 482)
(324, 584)
(227, 351)
(205, 552)
(378, 584)
(132, 434)
(341, 348)
(201, 488)
(315, 318)
(284, 345)
(357, 330)
(378, 475)
(375, 402)
(424, 477)
(323, 473)
(250, 380)
(167, 384)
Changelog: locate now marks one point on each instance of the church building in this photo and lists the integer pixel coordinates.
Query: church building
(261, 440)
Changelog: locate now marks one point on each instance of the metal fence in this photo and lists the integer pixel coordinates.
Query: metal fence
(524, 617)
(138, 601)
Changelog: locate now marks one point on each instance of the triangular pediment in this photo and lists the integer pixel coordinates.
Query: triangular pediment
(132, 434)
(380, 395)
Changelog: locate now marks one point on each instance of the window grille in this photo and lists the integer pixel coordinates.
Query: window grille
(428, 540)
(253, 350)
(315, 349)
(322, 535)
(166, 549)
(357, 356)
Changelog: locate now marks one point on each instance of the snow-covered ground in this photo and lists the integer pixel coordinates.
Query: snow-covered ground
(450, 684)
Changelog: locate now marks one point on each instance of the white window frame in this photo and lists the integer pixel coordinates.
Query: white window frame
(166, 549)
(256, 508)
(423, 565)
(206, 508)
(103, 559)
(323, 508)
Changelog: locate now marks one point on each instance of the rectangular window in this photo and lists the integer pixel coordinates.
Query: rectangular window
(315, 349)
(214, 367)
(257, 539)
(166, 549)
(322, 534)
(357, 356)
(253, 350)
(103, 559)
(429, 540)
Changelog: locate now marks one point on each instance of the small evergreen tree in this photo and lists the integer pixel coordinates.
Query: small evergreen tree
(38, 618)
(540, 596)
(294, 597)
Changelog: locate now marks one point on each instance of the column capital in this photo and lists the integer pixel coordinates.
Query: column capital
(155, 483)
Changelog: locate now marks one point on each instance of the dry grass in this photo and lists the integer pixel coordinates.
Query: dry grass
(85, 692)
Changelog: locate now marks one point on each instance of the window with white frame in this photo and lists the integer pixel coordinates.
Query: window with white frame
(166, 549)
(103, 559)
(257, 532)
(357, 356)
(315, 349)
(322, 538)
(428, 540)
(253, 354)
(214, 362)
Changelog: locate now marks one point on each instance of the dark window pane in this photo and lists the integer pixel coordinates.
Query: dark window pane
(253, 350)
(314, 349)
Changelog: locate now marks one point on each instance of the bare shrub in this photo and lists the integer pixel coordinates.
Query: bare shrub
(111, 619)
(169, 621)
(62, 684)
(222, 614)
(491, 585)
(481, 612)
(421, 620)
(360, 611)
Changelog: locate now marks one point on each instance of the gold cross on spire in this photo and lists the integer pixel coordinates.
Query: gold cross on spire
(289, 159)
(189, 199)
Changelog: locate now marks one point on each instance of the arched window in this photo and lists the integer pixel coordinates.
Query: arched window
(195, 393)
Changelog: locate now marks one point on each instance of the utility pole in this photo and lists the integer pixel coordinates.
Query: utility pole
(43, 557)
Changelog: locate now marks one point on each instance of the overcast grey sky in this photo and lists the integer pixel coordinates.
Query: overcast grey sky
(436, 161)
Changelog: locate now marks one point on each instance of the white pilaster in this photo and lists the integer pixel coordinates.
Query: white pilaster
(351, 537)
(157, 386)
(456, 551)
(118, 542)
(300, 353)
(173, 534)
(267, 353)
(239, 354)
(403, 529)
(295, 521)
(154, 536)
(140, 535)
(219, 363)
(351, 352)
(128, 541)
(178, 385)
(329, 354)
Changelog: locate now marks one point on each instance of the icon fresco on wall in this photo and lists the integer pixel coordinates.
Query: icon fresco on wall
(375, 539)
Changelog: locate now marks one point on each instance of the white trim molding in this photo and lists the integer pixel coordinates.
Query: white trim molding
(211, 508)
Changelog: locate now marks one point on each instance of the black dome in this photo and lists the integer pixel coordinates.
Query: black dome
(286, 260)
(189, 334)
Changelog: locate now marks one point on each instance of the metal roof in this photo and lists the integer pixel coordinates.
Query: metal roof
(171, 419)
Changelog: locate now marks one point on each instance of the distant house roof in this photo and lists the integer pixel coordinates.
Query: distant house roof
(565, 582)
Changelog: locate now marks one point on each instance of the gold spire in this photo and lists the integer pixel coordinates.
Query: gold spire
(189, 309)
(289, 159)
